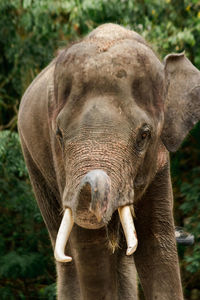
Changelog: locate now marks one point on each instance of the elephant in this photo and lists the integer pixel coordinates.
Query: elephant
(96, 128)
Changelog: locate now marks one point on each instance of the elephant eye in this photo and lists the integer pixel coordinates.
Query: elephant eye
(143, 137)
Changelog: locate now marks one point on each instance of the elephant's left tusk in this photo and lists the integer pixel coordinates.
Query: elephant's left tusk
(62, 236)
(129, 229)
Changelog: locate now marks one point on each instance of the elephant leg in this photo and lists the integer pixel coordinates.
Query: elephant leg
(156, 256)
(48, 201)
(67, 282)
(127, 277)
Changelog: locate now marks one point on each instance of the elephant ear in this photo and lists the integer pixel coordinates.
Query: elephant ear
(182, 99)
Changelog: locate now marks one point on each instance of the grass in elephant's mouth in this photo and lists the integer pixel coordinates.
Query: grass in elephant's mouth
(113, 232)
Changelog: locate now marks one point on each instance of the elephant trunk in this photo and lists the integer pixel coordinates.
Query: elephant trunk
(93, 201)
(98, 184)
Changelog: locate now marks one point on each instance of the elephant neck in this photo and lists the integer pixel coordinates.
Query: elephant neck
(96, 266)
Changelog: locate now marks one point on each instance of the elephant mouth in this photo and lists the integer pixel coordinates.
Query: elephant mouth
(93, 211)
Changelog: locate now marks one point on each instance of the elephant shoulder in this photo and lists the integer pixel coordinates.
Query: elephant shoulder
(33, 120)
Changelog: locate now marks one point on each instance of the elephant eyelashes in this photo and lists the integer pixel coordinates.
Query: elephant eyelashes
(59, 135)
(143, 137)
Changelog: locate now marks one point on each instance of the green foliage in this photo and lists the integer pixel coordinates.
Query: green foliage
(190, 190)
(186, 182)
(30, 33)
(191, 207)
(25, 253)
(48, 292)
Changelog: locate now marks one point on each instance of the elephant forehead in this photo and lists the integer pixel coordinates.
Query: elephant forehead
(119, 60)
(127, 69)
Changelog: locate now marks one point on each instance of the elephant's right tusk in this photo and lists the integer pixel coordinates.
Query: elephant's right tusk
(62, 236)
(129, 229)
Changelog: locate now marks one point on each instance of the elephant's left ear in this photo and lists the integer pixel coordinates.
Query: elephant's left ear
(182, 99)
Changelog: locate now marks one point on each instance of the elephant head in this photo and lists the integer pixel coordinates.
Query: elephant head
(116, 109)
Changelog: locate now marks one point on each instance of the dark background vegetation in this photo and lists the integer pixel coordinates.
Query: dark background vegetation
(30, 33)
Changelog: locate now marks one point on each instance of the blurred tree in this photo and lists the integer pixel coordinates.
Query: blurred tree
(30, 33)
(26, 263)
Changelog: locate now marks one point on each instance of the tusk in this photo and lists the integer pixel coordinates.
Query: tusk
(62, 237)
(129, 229)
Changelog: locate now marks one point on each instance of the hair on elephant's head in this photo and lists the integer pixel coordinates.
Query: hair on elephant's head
(117, 110)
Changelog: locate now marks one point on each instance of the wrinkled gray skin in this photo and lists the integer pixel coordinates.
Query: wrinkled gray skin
(108, 103)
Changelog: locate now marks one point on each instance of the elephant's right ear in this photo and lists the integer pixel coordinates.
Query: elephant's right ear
(182, 99)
